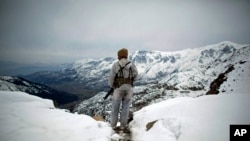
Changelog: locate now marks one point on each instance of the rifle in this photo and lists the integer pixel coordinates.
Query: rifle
(109, 93)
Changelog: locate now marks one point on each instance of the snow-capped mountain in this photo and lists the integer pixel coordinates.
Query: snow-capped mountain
(189, 72)
(9, 83)
(189, 69)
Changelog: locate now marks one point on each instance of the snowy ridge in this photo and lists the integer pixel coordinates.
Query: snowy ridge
(94, 72)
(189, 68)
(9, 83)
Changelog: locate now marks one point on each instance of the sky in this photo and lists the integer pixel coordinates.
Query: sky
(63, 31)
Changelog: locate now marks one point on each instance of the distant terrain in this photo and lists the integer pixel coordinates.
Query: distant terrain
(214, 69)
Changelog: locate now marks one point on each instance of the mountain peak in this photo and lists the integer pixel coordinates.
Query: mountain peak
(229, 43)
(225, 44)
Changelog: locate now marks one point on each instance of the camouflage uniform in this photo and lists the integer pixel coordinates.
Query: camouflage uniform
(122, 94)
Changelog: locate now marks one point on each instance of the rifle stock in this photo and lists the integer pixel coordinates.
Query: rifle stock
(109, 93)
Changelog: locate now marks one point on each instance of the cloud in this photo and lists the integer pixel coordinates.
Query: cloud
(67, 30)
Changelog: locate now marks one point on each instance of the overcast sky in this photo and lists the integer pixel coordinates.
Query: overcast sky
(59, 31)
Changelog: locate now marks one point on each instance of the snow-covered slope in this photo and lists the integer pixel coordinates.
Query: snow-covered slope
(28, 118)
(190, 68)
(206, 118)
(143, 96)
(9, 83)
(25, 117)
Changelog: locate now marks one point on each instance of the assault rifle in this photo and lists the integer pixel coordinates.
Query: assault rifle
(109, 93)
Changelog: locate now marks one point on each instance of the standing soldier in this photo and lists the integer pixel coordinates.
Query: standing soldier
(121, 77)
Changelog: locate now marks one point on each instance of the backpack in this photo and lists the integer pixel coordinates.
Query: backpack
(119, 78)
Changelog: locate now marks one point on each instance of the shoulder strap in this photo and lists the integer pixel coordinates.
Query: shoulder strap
(125, 64)
(120, 71)
(130, 73)
(120, 80)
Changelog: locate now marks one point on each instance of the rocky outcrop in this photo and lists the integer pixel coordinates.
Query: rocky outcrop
(215, 85)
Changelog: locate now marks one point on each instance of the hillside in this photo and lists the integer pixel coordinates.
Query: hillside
(9, 83)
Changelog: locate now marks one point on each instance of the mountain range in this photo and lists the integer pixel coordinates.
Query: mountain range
(189, 69)
(223, 68)
(213, 69)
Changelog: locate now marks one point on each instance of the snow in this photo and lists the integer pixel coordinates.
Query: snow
(4, 85)
(192, 119)
(29, 118)
(238, 80)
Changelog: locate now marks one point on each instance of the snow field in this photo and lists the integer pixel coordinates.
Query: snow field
(28, 118)
(192, 119)
(25, 117)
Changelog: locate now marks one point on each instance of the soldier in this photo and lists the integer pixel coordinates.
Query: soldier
(121, 78)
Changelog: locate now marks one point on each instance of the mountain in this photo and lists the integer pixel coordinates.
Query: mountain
(189, 69)
(223, 68)
(8, 83)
